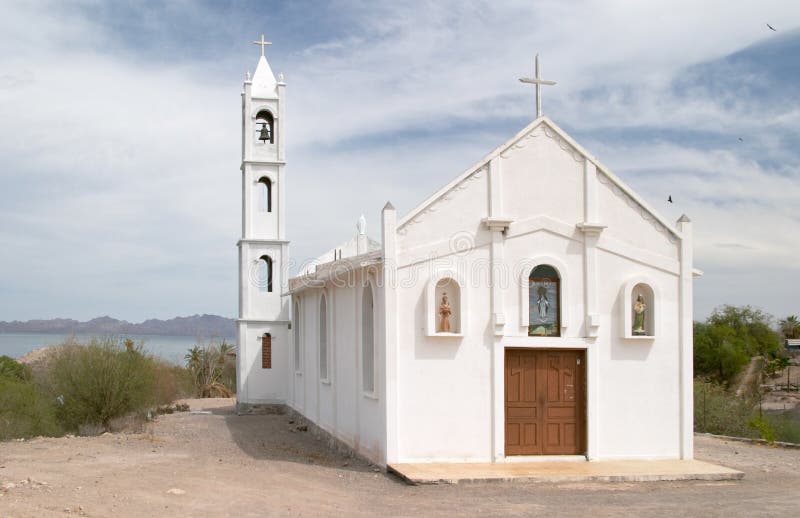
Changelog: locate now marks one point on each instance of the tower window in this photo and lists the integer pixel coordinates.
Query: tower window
(265, 274)
(265, 127)
(266, 351)
(264, 194)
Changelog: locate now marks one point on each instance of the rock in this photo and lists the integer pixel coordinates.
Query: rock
(9, 485)
(176, 491)
(302, 428)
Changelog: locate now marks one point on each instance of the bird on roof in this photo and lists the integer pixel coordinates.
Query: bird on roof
(669, 198)
(771, 27)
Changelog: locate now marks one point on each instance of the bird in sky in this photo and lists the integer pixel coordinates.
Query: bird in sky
(741, 139)
(771, 27)
(669, 198)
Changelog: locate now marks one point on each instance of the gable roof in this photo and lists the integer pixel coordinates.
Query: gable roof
(545, 121)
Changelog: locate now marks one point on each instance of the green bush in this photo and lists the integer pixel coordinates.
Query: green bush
(786, 425)
(764, 426)
(729, 338)
(12, 369)
(25, 410)
(719, 412)
(101, 381)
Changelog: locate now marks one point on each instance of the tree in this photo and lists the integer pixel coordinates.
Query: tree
(752, 325)
(790, 327)
(208, 365)
(729, 338)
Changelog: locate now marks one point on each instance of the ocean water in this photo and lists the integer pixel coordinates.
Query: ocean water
(171, 348)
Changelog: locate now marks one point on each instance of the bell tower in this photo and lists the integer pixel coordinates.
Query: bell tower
(262, 361)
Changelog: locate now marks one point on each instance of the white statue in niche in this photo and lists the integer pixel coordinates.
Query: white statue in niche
(445, 312)
(542, 303)
(639, 313)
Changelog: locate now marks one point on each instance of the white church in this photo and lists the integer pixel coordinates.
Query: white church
(534, 307)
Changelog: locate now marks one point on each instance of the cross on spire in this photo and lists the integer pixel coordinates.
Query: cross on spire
(539, 82)
(263, 44)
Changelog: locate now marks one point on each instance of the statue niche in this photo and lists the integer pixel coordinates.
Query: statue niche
(447, 308)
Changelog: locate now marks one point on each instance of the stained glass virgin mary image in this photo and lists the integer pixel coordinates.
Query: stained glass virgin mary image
(543, 302)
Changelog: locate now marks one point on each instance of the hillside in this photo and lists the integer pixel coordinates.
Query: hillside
(195, 325)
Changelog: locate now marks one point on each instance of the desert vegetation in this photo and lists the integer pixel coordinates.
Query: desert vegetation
(104, 384)
(735, 350)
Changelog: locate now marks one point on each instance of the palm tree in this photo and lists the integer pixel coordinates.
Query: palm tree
(790, 327)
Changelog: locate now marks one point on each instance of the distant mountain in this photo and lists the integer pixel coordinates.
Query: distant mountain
(204, 326)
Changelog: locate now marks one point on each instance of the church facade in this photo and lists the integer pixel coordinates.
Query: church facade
(535, 306)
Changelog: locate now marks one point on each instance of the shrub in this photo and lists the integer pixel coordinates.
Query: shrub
(25, 410)
(786, 425)
(719, 412)
(765, 429)
(729, 338)
(101, 381)
(12, 369)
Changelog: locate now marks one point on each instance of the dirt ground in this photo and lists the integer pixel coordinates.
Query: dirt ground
(220, 464)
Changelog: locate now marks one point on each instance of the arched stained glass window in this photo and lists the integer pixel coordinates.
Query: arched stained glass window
(544, 299)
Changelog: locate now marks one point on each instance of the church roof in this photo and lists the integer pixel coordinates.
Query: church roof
(263, 81)
(513, 141)
(345, 250)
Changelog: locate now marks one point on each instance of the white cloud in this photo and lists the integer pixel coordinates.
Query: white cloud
(124, 168)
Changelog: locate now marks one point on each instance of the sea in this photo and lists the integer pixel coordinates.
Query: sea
(170, 348)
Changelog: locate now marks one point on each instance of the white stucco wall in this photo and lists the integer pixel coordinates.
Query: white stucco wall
(255, 384)
(450, 390)
(339, 405)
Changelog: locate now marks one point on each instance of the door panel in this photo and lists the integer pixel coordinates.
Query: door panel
(545, 410)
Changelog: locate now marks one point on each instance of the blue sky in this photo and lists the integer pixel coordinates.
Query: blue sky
(120, 143)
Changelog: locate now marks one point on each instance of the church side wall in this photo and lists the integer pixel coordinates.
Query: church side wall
(338, 404)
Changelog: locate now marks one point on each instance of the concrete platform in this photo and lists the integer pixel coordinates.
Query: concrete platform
(558, 471)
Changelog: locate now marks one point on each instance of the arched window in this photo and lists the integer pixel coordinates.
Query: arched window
(264, 194)
(266, 351)
(367, 341)
(544, 297)
(265, 127)
(265, 274)
(296, 326)
(323, 338)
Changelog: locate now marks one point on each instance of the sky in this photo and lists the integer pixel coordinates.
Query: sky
(120, 140)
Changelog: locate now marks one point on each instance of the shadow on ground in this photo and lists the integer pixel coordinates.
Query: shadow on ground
(278, 437)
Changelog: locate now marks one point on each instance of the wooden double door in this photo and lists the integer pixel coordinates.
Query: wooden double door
(545, 402)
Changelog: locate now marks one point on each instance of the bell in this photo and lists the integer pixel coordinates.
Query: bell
(263, 134)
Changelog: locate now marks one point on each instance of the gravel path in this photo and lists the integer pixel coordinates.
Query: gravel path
(220, 464)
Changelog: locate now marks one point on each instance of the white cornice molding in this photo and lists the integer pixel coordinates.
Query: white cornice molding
(248, 241)
(591, 229)
(497, 223)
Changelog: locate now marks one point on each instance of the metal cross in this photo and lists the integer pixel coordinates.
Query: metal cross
(538, 81)
(263, 44)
